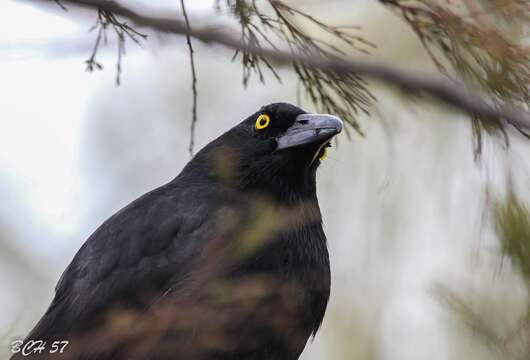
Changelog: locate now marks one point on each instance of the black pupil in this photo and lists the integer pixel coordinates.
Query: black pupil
(263, 121)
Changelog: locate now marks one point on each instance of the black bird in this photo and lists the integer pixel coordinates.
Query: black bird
(227, 261)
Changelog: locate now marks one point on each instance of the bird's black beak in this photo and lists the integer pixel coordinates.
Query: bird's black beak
(310, 129)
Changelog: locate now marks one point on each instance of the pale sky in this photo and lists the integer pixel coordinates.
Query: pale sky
(44, 97)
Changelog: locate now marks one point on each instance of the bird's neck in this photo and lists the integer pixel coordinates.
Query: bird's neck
(280, 189)
(288, 183)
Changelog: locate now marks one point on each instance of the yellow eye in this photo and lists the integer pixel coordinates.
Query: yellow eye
(263, 121)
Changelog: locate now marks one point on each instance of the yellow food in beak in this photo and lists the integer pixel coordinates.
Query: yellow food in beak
(323, 154)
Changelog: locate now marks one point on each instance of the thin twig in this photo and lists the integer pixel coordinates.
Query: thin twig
(193, 78)
(413, 82)
(105, 20)
(58, 2)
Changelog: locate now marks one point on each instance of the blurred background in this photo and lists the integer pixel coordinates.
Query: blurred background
(417, 260)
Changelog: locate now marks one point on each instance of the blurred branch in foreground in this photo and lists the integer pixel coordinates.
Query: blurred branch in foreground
(412, 82)
(513, 227)
(504, 337)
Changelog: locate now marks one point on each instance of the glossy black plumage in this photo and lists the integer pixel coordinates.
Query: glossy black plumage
(226, 261)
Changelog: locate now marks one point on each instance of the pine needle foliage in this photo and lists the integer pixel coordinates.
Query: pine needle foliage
(277, 25)
(483, 41)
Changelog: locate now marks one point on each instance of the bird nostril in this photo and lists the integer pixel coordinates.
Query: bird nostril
(303, 121)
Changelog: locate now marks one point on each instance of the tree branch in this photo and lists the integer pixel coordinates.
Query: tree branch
(416, 83)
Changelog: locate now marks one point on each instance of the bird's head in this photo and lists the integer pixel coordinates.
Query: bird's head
(278, 148)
